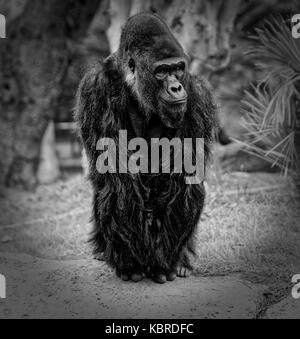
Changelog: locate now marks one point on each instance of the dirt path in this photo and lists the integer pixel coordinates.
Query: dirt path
(88, 289)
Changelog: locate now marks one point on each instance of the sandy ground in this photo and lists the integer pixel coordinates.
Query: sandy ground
(88, 289)
(248, 251)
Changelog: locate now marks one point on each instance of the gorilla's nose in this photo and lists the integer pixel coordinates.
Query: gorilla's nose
(176, 89)
(177, 93)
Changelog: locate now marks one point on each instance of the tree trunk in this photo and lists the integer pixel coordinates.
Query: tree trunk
(48, 171)
(33, 61)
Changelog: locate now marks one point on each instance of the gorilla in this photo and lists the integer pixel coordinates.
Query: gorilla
(145, 224)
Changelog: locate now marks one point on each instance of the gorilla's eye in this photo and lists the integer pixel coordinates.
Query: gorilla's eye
(161, 72)
(179, 72)
(131, 65)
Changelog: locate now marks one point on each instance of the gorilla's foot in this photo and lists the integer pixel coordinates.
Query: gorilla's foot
(162, 278)
(184, 267)
(135, 277)
(183, 271)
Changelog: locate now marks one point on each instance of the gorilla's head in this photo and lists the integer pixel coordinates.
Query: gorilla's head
(155, 68)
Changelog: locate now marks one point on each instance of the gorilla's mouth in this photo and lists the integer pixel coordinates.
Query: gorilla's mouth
(174, 102)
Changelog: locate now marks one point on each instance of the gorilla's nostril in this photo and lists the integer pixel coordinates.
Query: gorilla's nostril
(176, 89)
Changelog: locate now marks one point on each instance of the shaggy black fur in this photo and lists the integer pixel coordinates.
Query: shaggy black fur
(143, 223)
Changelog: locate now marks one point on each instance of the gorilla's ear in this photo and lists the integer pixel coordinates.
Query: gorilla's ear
(131, 65)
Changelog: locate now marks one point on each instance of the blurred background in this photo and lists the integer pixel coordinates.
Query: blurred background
(50, 44)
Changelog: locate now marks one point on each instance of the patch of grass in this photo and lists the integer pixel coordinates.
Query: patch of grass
(256, 236)
(52, 222)
(65, 239)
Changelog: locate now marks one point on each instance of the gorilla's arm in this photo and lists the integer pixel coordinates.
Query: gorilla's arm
(98, 99)
(91, 105)
(95, 117)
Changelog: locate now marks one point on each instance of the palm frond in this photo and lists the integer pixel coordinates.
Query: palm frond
(272, 107)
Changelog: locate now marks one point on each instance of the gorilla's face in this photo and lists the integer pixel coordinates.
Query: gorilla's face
(160, 88)
(170, 75)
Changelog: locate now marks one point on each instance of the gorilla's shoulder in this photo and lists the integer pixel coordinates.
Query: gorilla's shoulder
(203, 91)
(100, 86)
(91, 96)
(203, 104)
(202, 84)
(92, 78)
(100, 75)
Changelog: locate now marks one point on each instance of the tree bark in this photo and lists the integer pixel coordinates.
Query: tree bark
(48, 170)
(33, 61)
